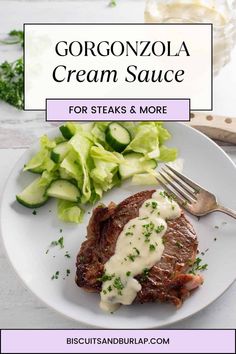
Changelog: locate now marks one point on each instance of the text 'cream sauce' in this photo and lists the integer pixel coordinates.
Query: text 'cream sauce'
(139, 246)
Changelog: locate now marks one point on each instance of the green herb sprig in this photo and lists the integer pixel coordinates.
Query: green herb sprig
(15, 37)
(112, 3)
(11, 83)
(197, 266)
(11, 74)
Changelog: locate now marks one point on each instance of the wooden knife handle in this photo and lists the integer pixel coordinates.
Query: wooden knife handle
(216, 127)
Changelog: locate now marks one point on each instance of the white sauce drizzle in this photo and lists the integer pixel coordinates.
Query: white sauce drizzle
(139, 246)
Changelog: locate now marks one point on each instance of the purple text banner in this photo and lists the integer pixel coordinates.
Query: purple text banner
(117, 110)
(117, 341)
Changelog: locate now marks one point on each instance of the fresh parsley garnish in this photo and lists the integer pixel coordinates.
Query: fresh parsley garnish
(15, 37)
(67, 255)
(154, 205)
(159, 228)
(112, 3)
(136, 250)
(59, 242)
(144, 274)
(133, 256)
(166, 195)
(105, 277)
(56, 275)
(128, 233)
(152, 248)
(147, 230)
(109, 288)
(11, 74)
(11, 83)
(197, 266)
(118, 285)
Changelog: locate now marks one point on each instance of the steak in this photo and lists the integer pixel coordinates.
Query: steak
(167, 280)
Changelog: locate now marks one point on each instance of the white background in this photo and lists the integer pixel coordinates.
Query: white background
(18, 307)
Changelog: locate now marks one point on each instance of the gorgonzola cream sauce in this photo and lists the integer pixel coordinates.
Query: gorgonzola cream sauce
(139, 246)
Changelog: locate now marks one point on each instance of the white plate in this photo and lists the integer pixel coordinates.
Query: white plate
(27, 237)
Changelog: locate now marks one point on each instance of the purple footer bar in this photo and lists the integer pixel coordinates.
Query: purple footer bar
(117, 341)
(117, 109)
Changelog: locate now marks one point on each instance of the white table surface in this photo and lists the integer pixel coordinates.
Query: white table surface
(18, 307)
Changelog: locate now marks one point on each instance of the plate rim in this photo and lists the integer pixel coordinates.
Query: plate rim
(83, 322)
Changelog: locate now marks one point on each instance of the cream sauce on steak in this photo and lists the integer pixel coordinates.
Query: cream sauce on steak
(139, 247)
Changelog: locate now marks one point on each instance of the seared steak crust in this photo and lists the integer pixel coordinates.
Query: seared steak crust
(166, 280)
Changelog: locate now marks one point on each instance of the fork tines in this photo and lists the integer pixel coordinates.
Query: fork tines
(183, 189)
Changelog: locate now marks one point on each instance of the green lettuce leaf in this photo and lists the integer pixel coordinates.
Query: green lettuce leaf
(99, 153)
(42, 161)
(96, 193)
(146, 140)
(163, 133)
(72, 168)
(48, 177)
(144, 179)
(103, 174)
(98, 133)
(167, 154)
(81, 146)
(69, 211)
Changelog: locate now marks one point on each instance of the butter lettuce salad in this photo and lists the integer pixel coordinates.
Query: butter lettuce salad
(86, 160)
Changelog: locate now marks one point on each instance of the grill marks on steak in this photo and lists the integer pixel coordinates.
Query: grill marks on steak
(166, 281)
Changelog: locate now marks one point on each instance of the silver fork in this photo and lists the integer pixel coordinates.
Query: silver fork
(192, 197)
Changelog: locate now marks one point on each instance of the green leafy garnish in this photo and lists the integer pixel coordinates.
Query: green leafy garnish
(147, 230)
(152, 248)
(105, 277)
(118, 285)
(15, 37)
(112, 3)
(145, 274)
(133, 256)
(11, 83)
(109, 288)
(159, 228)
(11, 74)
(198, 266)
(55, 276)
(59, 242)
(128, 233)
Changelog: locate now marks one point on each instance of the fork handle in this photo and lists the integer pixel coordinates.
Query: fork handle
(227, 211)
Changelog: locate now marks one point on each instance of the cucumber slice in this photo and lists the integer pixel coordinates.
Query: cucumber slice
(33, 196)
(133, 165)
(63, 189)
(117, 137)
(59, 152)
(68, 130)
